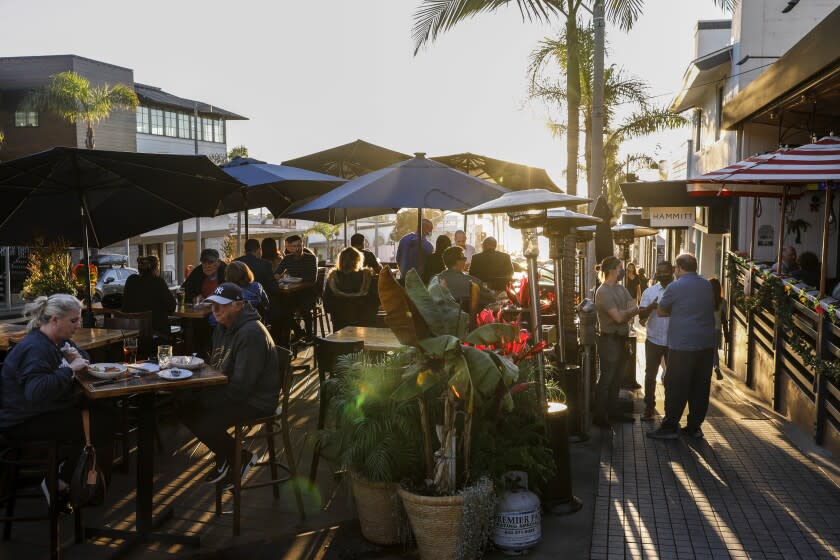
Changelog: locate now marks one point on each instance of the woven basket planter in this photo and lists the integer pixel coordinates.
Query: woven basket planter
(377, 507)
(436, 523)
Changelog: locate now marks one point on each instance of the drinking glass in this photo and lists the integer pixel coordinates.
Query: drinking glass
(181, 296)
(130, 349)
(164, 355)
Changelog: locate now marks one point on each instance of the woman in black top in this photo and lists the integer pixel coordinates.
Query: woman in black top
(632, 282)
(39, 399)
(147, 291)
(435, 263)
(350, 292)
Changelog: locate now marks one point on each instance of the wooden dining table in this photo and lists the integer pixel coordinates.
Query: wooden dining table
(376, 339)
(85, 338)
(144, 386)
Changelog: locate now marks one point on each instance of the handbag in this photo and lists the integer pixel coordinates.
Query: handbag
(87, 485)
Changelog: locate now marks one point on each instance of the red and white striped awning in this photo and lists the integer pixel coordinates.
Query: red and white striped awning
(811, 166)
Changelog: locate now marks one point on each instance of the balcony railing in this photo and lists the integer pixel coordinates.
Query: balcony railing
(784, 342)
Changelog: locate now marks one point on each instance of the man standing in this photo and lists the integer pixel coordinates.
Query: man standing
(691, 346)
(656, 340)
(357, 241)
(461, 241)
(261, 268)
(407, 250)
(458, 282)
(491, 266)
(243, 350)
(615, 307)
(298, 263)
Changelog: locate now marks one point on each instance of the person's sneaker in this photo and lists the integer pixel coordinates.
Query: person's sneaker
(622, 419)
(248, 462)
(718, 374)
(218, 472)
(661, 433)
(63, 496)
(649, 414)
(696, 433)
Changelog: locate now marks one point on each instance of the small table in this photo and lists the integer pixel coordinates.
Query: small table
(294, 287)
(375, 339)
(191, 315)
(145, 387)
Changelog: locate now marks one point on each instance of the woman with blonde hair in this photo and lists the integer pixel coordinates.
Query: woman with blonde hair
(350, 294)
(39, 399)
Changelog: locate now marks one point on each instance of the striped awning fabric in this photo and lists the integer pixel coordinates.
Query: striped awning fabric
(812, 166)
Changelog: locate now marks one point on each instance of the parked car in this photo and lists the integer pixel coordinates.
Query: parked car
(112, 281)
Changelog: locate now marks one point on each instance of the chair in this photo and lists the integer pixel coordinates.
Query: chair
(17, 456)
(326, 356)
(270, 426)
(319, 316)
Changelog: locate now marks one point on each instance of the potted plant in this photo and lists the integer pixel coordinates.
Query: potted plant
(49, 271)
(456, 379)
(376, 439)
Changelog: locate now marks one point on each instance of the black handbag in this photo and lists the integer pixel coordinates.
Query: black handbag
(87, 485)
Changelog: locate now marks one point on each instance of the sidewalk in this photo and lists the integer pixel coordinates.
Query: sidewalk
(744, 491)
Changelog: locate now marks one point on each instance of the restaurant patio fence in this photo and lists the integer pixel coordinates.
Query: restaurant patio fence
(765, 357)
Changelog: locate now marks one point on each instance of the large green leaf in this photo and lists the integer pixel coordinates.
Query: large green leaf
(401, 314)
(418, 379)
(439, 309)
(440, 346)
(485, 372)
(494, 333)
(509, 370)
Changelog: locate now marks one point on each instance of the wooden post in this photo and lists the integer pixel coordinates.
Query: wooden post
(780, 248)
(752, 235)
(826, 217)
(823, 328)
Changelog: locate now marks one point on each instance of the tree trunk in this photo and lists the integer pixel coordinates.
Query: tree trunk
(90, 139)
(573, 101)
(587, 146)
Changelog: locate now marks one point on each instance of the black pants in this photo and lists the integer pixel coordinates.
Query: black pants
(210, 424)
(688, 380)
(612, 359)
(66, 426)
(653, 357)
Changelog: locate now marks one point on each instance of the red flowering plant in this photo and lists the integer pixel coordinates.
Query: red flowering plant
(464, 372)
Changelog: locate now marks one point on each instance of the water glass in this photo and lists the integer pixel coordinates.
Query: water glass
(181, 296)
(130, 349)
(164, 356)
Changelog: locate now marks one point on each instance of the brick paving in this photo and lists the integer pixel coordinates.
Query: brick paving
(745, 491)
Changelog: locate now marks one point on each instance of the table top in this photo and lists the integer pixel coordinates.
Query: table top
(292, 287)
(86, 339)
(148, 383)
(190, 311)
(375, 339)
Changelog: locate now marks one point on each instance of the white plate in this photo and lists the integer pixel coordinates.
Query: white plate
(175, 374)
(147, 366)
(100, 370)
(187, 362)
(291, 280)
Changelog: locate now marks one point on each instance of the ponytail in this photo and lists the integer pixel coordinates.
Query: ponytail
(40, 311)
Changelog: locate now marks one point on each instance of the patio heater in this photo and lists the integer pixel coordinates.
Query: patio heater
(527, 210)
(625, 234)
(559, 224)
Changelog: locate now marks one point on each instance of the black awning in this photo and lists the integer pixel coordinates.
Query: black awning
(654, 194)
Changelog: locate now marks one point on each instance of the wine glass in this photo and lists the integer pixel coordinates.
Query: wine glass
(130, 349)
(164, 352)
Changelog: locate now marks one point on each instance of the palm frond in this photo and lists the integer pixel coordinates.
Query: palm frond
(434, 17)
(644, 122)
(624, 13)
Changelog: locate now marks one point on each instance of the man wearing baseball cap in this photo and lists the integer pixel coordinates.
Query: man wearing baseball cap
(243, 350)
(204, 279)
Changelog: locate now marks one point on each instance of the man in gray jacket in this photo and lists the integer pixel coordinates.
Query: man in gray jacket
(244, 351)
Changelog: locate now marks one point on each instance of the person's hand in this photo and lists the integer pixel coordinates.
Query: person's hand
(653, 305)
(79, 364)
(633, 309)
(70, 353)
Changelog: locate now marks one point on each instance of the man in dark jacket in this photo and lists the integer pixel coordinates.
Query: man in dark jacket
(297, 263)
(243, 350)
(261, 269)
(491, 266)
(357, 241)
(204, 279)
(459, 283)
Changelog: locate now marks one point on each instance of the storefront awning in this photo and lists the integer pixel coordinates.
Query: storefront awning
(657, 194)
(701, 76)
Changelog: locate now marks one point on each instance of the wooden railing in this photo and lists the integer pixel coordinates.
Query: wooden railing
(761, 353)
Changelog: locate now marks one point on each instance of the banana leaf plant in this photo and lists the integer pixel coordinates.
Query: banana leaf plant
(461, 370)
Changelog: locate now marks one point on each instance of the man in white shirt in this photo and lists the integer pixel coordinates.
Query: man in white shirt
(461, 241)
(656, 341)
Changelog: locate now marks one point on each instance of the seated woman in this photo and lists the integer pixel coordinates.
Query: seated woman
(38, 397)
(435, 263)
(147, 291)
(350, 294)
(240, 274)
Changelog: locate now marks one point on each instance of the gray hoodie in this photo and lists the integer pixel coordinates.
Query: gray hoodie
(245, 353)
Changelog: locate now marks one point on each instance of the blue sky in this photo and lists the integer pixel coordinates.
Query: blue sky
(311, 75)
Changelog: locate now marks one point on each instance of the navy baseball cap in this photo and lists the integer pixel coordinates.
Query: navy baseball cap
(226, 293)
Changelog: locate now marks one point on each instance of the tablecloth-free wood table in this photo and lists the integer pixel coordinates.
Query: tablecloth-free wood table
(375, 339)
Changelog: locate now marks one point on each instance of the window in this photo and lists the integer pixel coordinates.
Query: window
(206, 129)
(193, 128)
(698, 123)
(718, 113)
(143, 119)
(219, 131)
(26, 118)
(171, 120)
(157, 121)
(184, 126)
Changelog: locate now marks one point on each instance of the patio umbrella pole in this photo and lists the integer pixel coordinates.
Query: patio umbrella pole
(245, 198)
(88, 320)
(752, 235)
(829, 204)
(419, 237)
(345, 228)
(529, 238)
(781, 231)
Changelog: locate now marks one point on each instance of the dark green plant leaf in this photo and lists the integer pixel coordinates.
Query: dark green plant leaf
(415, 382)
(494, 333)
(401, 314)
(485, 373)
(439, 309)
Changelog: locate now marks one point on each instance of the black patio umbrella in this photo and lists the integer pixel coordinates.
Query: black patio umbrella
(350, 160)
(513, 176)
(273, 186)
(96, 197)
(603, 234)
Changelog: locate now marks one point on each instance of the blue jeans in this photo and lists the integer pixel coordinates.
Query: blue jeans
(611, 356)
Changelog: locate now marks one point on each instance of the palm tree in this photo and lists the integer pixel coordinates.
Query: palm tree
(329, 231)
(72, 97)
